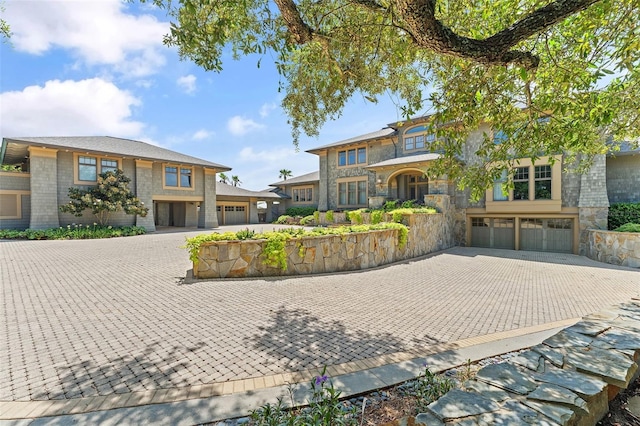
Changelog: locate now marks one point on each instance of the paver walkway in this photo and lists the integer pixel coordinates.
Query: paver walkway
(105, 317)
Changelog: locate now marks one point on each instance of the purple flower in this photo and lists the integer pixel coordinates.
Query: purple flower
(321, 379)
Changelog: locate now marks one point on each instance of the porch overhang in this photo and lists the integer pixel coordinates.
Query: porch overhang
(401, 162)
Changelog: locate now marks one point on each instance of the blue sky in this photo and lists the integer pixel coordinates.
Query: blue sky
(98, 67)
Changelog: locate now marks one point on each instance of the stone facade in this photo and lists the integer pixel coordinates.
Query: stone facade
(324, 254)
(623, 178)
(616, 248)
(44, 189)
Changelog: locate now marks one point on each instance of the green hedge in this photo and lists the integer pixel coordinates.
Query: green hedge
(300, 211)
(72, 232)
(623, 213)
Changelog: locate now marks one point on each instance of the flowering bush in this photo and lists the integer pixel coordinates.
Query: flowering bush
(324, 408)
(111, 194)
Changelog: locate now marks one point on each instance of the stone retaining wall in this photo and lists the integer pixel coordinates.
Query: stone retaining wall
(566, 380)
(616, 248)
(324, 254)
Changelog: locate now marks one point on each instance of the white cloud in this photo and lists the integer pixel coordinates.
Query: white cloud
(98, 32)
(69, 108)
(238, 125)
(248, 154)
(202, 134)
(266, 109)
(187, 83)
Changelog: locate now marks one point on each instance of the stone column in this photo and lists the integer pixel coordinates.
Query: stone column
(593, 203)
(208, 212)
(253, 210)
(144, 192)
(44, 188)
(323, 195)
(442, 203)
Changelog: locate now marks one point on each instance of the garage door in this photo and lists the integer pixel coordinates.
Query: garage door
(493, 232)
(232, 214)
(555, 235)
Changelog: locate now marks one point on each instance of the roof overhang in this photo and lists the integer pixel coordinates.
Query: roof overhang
(400, 162)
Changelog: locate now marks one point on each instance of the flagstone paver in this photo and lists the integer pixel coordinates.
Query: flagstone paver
(111, 317)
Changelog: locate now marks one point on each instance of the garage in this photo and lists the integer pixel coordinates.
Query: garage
(233, 213)
(555, 235)
(493, 232)
(534, 234)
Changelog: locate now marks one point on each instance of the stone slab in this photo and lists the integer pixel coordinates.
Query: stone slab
(618, 339)
(547, 392)
(613, 367)
(590, 328)
(529, 359)
(554, 356)
(579, 383)
(514, 413)
(507, 377)
(566, 339)
(458, 404)
(557, 413)
(491, 392)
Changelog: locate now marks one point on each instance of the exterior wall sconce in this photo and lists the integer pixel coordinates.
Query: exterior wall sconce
(379, 181)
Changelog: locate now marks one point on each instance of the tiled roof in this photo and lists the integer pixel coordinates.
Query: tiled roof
(307, 178)
(235, 191)
(382, 133)
(420, 158)
(111, 145)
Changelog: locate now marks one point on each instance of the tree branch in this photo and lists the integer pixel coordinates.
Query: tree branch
(418, 17)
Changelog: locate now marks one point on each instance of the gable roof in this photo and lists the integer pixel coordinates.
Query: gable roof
(379, 134)
(14, 149)
(307, 178)
(227, 190)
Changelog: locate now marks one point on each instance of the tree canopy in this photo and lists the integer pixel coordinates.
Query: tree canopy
(506, 62)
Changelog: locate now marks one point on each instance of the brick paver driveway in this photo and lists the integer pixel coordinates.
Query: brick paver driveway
(83, 318)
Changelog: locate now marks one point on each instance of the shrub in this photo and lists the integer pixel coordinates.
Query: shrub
(623, 213)
(283, 220)
(356, 217)
(72, 232)
(409, 204)
(390, 205)
(329, 216)
(245, 234)
(376, 216)
(110, 194)
(307, 220)
(628, 227)
(316, 217)
(300, 211)
(324, 408)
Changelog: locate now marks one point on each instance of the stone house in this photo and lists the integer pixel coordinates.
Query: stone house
(299, 191)
(548, 209)
(179, 190)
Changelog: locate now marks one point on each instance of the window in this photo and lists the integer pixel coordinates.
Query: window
(177, 177)
(229, 208)
(107, 165)
(185, 177)
(170, 176)
(542, 183)
(352, 193)
(500, 191)
(521, 183)
(87, 169)
(499, 137)
(302, 195)
(418, 138)
(351, 157)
